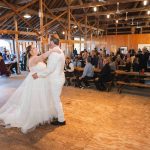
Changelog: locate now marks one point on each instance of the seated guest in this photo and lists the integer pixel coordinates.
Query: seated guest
(88, 74)
(69, 70)
(128, 64)
(104, 76)
(112, 64)
(136, 66)
(77, 62)
(81, 60)
(3, 69)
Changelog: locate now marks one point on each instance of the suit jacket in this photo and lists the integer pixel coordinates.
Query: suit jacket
(55, 67)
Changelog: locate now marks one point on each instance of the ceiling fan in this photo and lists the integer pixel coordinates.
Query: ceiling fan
(132, 23)
(126, 16)
(118, 11)
(102, 1)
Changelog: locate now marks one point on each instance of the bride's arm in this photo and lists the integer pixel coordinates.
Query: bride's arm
(45, 55)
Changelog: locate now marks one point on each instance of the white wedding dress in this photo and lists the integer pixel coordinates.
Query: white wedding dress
(30, 105)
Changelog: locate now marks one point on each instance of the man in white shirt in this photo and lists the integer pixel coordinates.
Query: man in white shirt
(56, 78)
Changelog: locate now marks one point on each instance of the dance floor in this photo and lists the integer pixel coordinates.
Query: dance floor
(95, 121)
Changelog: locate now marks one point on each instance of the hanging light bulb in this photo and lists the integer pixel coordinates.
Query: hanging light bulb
(148, 12)
(27, 16)
(95, 9)
(108, 16)
(116, 21)
(63, 32)
(75, 26)
(145, 2)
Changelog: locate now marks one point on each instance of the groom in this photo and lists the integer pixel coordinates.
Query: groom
(56, 77)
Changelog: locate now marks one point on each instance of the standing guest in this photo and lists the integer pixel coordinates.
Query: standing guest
(23, 61)
(135, 64)
(100, 61)
(145, 58)
(88, 74)
(14, 65)
(94, 59)
(5, 54)
(128, 64)
(75, 53)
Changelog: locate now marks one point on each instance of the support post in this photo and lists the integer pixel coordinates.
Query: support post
(41, 24)
(85, 36)
(17, 51)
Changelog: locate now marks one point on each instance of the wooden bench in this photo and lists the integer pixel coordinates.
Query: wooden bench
(122, 83)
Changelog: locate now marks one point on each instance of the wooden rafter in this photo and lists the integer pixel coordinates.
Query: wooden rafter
(93, 4)
(47, 24)
(14, 10)
(17, 32)
(53, 15)
(114, 11)
(18, 10)
(77, 23)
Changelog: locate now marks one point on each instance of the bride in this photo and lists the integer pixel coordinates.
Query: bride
(30, 105)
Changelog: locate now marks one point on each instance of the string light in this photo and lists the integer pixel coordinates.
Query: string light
(108, 16)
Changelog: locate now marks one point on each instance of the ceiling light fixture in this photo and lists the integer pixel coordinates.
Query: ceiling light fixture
(95, 9)
(108, 16)
(27, 16)
(63, 32)
(145, 2)
(75, 26)
(117, 21)
(148, 12)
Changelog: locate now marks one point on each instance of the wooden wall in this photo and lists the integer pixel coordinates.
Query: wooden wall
(113, 42)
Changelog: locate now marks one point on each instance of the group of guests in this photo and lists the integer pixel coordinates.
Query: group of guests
(88, 62)
(106, 63)
(134, 61)
(9, 65)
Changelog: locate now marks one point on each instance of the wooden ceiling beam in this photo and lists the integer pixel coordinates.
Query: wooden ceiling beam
(14, 10)
(126, 27)
(127, 32)
(122, 19)
(17, 32)
(53, 15)
(17, 10)
(34, 12)
(101, 13)
(94, 4)
(47, 24)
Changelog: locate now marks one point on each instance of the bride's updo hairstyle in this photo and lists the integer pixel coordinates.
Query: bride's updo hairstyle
(55, 39)
(29, 48)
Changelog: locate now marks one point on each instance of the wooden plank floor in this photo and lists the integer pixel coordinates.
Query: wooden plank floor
(95, 121)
